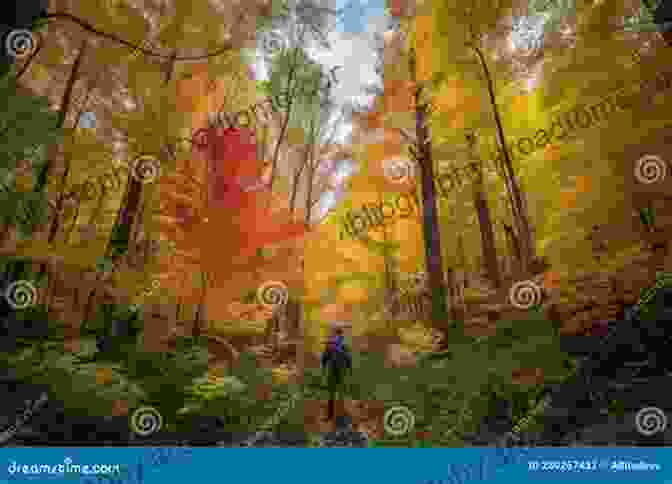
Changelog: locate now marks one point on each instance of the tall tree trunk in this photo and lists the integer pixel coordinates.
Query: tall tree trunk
(309, 192)
(43, 176)
(5, 233)
(285, 122)
(268, 331)
(56, 223)
(430, 225)
(487, 234)
(521, 216)
(463, 259)
(75, 218)
(64, 179)
(300, 343)
(451, 283)
(297, 180)
(197, 329)
(292, 316)
(126, 218)
(514, 247)
(390, 283)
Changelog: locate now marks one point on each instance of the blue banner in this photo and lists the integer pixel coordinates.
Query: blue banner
(335, 466)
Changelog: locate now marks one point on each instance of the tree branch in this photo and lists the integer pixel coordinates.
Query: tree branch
(89, 28)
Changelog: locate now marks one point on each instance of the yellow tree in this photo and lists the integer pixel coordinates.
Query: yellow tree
(460, 32)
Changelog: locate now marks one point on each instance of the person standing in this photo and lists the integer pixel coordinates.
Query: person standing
(336, 362)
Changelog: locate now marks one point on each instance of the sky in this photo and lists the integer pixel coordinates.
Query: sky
(352, 42)
(352, 49)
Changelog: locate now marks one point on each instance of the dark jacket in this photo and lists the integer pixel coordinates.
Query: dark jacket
(337, 356)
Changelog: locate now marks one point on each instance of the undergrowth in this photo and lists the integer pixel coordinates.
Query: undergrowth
(450, 395)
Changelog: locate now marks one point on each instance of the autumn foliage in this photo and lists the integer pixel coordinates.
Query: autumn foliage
(238, 206)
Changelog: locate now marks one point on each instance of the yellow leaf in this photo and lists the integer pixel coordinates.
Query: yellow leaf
(104, 376)
(24, 182)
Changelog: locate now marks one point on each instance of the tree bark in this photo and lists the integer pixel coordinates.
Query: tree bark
(268, 331)
(451, 282)
(487, 234)
(430, 225)
(295, 182)
(59, 204)
(197, 328)
(519, 212)
(514, 246)
(56, 224)
(62, 114)
(75, 217)
(309, 191)
(285, 121)
(43, 176)
(463, 259)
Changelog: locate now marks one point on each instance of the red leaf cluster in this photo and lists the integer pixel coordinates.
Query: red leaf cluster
(239, 207)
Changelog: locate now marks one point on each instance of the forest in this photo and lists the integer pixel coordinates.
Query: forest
(192, 209)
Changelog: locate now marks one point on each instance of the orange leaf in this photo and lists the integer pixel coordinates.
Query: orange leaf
(552, 280)
(568, 199)
(191, 91)
(398, 96)
(584, 184)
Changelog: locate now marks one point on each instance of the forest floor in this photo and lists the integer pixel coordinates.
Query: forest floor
(579, 302)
